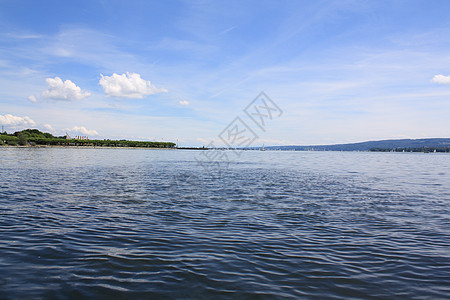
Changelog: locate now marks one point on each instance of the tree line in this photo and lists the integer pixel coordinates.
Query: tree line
(421, 149)
(34, 137)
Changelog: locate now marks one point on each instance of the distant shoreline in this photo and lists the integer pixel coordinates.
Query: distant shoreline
(83, 147)
(103, 147)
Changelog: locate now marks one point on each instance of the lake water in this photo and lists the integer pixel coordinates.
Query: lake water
(135, 223)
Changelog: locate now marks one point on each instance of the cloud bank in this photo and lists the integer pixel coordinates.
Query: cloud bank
(441, 79)
(184, 102)
(129, 85)
(11, 120)
(63, 90)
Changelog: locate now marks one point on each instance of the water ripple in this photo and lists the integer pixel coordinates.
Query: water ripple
(118, 223)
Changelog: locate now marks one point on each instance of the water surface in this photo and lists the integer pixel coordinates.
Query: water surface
(114, 223)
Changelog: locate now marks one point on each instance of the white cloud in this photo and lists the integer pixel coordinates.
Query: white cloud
(24, 36)
(63, 90)
(227, 30)
(11, 120)
(205, 141)
(83, 130)
(441, 79)
(32, 99)
(49, 127)
(184, 102)
(129, 85)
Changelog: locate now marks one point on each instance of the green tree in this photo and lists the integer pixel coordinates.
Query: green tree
(22, 139)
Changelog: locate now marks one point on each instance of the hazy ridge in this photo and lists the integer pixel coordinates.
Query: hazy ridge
(366, 146)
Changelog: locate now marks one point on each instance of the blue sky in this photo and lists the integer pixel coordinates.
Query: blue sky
(341, 71)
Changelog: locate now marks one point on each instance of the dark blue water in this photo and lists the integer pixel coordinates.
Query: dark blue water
(128, 223)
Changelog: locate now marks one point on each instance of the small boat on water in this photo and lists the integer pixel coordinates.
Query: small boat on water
(262, 148)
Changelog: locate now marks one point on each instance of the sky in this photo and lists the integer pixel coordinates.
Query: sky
(340, 71)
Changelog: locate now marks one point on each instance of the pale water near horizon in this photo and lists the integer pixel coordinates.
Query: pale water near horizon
(137, 223)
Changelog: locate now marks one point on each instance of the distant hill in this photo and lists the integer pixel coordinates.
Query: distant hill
(434, 143)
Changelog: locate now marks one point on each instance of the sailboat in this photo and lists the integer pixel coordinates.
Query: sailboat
(262, 149)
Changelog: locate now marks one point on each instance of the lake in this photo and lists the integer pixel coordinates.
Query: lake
(138, 223)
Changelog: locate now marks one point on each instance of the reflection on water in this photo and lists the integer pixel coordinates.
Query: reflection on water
(130, 222)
